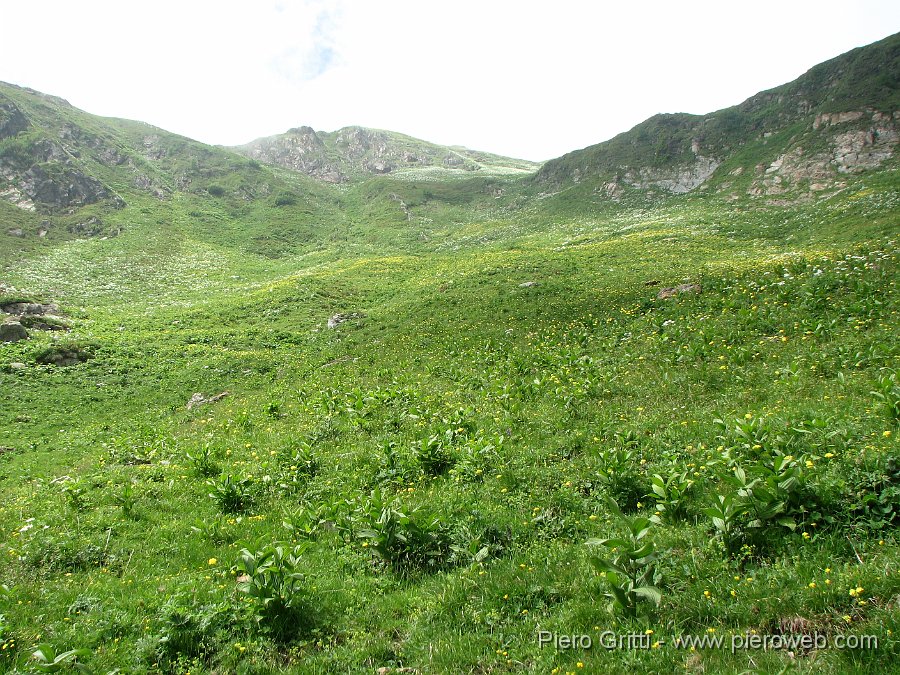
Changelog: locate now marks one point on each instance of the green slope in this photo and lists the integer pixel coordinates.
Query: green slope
(415, 487)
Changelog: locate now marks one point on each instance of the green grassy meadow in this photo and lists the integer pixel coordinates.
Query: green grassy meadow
(416, 487)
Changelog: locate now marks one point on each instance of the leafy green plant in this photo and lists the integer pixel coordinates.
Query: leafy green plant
(313, 518)
(75, 493)
(406, 540)
(873, 498)
(46, 660)
(298, 466)
(126, 499)
(433, 455)
(285, 199)
(772, 494)
(476, 457)
(620, 474)
(474, 542)
(629, 564)
(761, 503)
(230, 495)
(749, 434)
(393, 466)
(726, 520)
(887, 392)
(8, 645)
(187, 629)
(270, 575)
(203, 461)
(670, 494)
(214, 530)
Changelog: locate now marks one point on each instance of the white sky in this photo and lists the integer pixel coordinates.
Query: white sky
(525, 79)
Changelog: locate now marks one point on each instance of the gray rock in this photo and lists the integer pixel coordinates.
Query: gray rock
(64, 355)
(17, 366)
(68, 187)
(679, 179)
(12, 331)
(46, 322)
(92, 227)
(15, 232)
(12, 121)
(30, 308)
(199, 399)
(528, 284)
(667, 293)
(338, 319)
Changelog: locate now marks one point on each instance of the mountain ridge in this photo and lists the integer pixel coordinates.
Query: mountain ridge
(356, 151)
(795, 141)
(857, 92)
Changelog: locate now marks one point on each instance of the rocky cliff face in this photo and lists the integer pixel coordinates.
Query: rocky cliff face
(41, 171)
(299, 149)
(855, 141)
(12, 121)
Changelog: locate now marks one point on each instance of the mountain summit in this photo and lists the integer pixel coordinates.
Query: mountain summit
(355, 152)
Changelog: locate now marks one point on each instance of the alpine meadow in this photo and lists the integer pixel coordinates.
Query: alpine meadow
(354, 402)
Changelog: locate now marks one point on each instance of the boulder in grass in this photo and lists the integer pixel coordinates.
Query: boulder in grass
(65, 354)
(674, 291)
(199, 399)
(12, 331)
(338, 319)
(30, 309)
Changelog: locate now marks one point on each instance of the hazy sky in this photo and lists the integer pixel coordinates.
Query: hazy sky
(525, 79)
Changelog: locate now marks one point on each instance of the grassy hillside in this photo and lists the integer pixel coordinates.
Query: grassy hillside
(512, 428)
(441, 462)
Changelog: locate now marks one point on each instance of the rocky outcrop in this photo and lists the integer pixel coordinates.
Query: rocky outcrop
(838, 118)
(93, 227)
(30, 308)
(12, 121)
(12, 331)
(864, 140)
(62, 355)
(46, 173)
(61, 186)
(49, 168)
(13, 195)
(32, 316)
(300, 149)
(145, 183)
(855, 151)
(678, 179)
